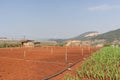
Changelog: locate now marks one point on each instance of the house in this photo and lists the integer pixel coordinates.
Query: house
(37, 44)
(27, 43)
(32, 43)
(73, 43)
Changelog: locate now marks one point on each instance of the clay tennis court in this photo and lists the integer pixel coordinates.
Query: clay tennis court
(39, 63)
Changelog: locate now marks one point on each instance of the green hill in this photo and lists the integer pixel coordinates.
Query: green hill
(109, 36)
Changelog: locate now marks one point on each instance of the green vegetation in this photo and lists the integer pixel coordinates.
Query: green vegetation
(107, 45)
(70, 77)
(10, 44)
(102, 65)
(61, 44)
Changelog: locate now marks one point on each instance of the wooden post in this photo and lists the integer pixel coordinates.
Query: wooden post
(24, 53)
(66, 55)
(82, 51)
(89, 49)
(51, 50)
(11, 49)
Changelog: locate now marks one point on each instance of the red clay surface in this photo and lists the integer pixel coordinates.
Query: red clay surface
(39, 63)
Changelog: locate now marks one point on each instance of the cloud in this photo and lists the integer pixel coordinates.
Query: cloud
(104, 7)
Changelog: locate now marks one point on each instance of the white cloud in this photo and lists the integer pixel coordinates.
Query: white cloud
(104, 7)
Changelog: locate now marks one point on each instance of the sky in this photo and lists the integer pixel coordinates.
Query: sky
(43, 19)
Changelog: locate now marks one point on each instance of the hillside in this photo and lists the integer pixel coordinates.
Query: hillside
(85, 36)
(112, 37)
(109, 36)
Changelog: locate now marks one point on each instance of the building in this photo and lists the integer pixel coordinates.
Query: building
(27, 43)
(73, 43)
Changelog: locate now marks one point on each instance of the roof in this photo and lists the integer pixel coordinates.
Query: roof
(24, 41)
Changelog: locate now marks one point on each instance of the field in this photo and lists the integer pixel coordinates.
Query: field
(102, 65)
(39, 63)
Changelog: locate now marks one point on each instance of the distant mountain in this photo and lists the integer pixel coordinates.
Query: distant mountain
(112, 37)
(85, 36)
(109, 36)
